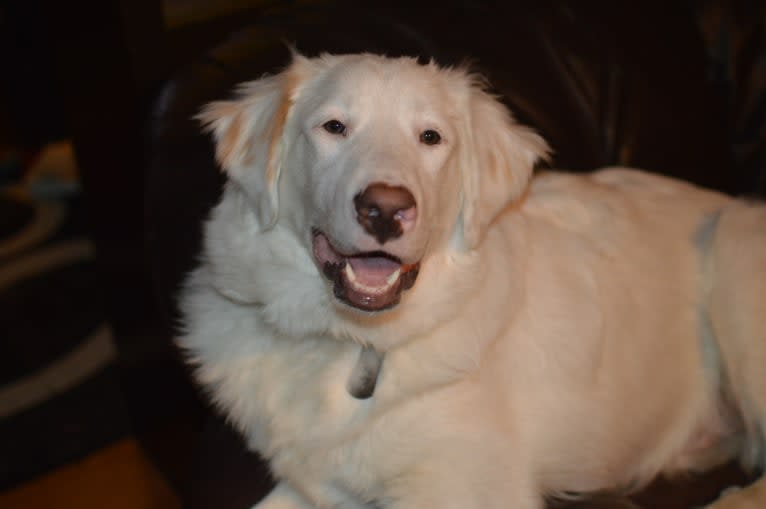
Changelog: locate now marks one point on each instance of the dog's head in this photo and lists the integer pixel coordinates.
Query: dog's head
(372, 168)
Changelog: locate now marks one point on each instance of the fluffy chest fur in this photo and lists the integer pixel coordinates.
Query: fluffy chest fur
(289, 397)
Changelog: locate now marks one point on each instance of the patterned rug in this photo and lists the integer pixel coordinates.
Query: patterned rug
(59, 391)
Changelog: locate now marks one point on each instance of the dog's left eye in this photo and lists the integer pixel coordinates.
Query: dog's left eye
(334, 127)
(430, 137)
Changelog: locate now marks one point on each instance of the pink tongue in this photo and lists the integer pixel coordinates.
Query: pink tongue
(373, 270)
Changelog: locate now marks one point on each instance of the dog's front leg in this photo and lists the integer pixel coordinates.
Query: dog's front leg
(283, 497)
(750, 497)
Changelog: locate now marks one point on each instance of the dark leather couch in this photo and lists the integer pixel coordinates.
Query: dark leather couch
(606, 83)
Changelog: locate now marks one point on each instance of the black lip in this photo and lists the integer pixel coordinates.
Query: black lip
(340, 292)
(376, 254)
(332, 270)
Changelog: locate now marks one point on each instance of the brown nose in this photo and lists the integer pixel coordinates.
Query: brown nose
(384, 211)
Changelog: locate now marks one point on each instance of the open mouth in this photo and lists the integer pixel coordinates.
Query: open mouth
(370, 281)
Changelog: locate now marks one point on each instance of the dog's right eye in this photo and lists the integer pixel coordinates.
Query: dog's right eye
(334, 127)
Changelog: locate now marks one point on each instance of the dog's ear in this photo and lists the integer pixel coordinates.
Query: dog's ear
(497, 159)
(248, 133)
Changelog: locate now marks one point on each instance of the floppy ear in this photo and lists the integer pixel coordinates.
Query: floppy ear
(498, 156)
(248, 133)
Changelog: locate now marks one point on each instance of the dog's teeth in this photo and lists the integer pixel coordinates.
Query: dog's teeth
(350, 275)
(393, 277)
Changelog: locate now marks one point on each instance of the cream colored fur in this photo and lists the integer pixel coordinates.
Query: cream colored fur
(565, 334)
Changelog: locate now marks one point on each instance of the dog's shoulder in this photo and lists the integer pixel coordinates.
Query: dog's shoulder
(570, 202)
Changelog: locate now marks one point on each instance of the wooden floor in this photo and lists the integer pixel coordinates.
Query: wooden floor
(116, 477)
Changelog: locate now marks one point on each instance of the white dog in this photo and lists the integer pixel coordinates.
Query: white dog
(397, 317)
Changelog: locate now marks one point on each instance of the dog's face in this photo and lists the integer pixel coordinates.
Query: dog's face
(377, 167)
